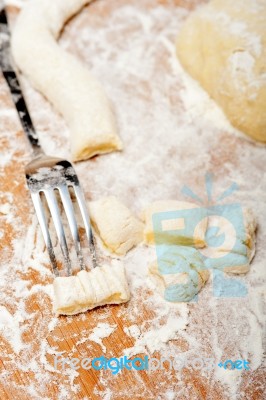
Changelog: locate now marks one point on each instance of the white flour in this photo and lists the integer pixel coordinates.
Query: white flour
(157, 338)
(100, 332)
(10, 329)
(173, 133)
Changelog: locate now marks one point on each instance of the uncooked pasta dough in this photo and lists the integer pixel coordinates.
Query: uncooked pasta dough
(102, 285)
(178, 273)
(177, 222)
(63, 79)
(117, 227)
(236, 227)
(223, 45)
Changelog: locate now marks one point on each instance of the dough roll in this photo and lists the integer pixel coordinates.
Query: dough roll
(62, 79)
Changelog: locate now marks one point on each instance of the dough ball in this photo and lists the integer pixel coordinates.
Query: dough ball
(89, 289)
(223, 45)
(178, 273)
(231, 240)
(62, 79)
(117, 227)
(186, 228)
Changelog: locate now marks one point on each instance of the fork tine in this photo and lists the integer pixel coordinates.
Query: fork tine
(86, 220)
(53, 206)
(69, 210)
(44, 227)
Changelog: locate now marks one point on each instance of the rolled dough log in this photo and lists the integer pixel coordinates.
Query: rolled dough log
(223, 45)
(100, 286)
(117, 227)
(179, 273)
(179, 231)
(64, 80)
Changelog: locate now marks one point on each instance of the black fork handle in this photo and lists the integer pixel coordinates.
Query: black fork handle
(21, 107)
(14, 85)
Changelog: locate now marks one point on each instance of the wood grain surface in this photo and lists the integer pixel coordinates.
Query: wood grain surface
(26, 374)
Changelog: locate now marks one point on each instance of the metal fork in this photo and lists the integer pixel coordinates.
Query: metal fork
(46, 174)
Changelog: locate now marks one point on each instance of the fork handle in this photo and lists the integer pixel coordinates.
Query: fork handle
(14, 85)
(22, 109)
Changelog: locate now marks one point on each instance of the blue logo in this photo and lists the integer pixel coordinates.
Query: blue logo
(210, 237)
(238, 364)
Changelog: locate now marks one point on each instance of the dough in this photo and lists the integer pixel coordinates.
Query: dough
(102, 285)
(64, 80)
(223, 45)
(182, 230)
(118, 229)
(179, 273)
(237, 249)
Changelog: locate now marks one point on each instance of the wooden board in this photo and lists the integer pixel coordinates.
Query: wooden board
(137, 176)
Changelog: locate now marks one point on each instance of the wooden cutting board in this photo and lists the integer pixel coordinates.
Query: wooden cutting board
(126, 44)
